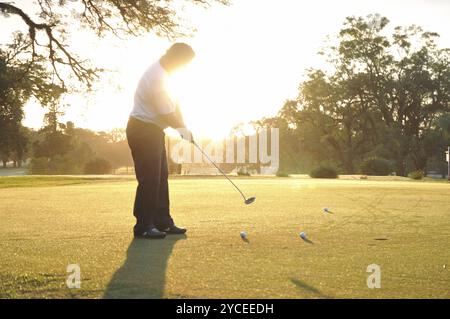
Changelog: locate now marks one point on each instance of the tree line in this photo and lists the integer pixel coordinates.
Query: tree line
(380, 96)
(57, 148)
(62, 148)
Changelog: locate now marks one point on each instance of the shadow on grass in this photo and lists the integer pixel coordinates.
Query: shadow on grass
(245, 240)
(304, 287)
(308, 241)
(143, 273)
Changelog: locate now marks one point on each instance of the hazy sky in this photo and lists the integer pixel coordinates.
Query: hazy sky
(250, 58)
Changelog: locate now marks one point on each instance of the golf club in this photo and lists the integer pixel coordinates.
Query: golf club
(247, 201)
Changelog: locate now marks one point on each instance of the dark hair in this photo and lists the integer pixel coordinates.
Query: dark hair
(180, 51)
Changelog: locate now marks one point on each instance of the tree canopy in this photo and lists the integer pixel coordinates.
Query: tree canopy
(41, 62)
(49, 21)
(381, 95)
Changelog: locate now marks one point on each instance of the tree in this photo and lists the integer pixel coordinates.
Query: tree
(379, 94)
(19, 81)
(48, 24)
(20, 146)
(98, 166)
(291, 157)
(22, 78)
(437, 142)
(335, 110)
(60, 150)
(55, 141)
(407, 83)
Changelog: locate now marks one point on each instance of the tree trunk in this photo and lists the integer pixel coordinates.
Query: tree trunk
(400, 167)
(423, 166)
(348, 164)
(4, 163)
(420, 163)
(349, 168)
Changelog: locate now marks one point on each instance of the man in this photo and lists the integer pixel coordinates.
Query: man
(154, 111)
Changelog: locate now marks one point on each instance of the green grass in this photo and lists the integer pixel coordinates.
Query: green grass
(402, 226)
(45, 180)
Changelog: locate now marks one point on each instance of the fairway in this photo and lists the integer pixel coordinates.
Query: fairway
(402, 226)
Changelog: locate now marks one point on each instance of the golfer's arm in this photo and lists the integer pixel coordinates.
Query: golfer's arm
(174, 119)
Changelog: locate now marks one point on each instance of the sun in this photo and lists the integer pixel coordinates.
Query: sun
(194, 88)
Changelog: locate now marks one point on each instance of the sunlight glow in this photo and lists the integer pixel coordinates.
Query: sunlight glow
(250, 58)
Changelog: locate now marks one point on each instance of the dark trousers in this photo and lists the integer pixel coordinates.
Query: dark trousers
(151, 205)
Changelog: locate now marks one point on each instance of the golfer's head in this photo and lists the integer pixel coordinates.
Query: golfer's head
(177, 56)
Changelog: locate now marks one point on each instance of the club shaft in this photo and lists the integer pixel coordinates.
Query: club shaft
(219, 169)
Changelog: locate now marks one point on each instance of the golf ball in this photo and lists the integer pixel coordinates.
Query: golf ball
(303, 235)
(326, 210)
(243, 234)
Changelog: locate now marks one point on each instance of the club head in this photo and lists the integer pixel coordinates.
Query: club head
(250, 200)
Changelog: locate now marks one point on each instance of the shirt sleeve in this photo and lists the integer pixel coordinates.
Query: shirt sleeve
(162, 103)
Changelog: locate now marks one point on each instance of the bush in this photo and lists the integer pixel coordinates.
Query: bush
(39, 166)
(66, 164)
(58, 165)
(416, 175)
(243, 172)
(324, 171)
(282, 174)
(376, 166)
(98, 166)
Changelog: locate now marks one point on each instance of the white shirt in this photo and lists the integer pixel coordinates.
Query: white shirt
(151, 98)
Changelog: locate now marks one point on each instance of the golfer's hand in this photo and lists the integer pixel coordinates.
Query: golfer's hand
(186, 134)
